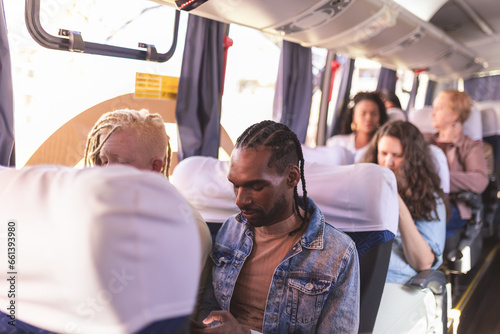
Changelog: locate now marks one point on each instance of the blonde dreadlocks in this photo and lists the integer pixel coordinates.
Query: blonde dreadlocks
(150, 129)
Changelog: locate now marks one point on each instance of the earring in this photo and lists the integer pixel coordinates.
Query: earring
(353, 126)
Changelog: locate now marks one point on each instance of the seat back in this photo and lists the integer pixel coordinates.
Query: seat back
(331, 155)
(362, 201)
(98, 248)
(473, 126)
(203, 182)
(422, 119)
(442, 168)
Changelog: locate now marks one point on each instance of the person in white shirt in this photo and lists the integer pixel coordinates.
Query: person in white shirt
(393, 106)
(358, 126)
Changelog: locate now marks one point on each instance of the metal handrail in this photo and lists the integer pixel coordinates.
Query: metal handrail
(72, 41)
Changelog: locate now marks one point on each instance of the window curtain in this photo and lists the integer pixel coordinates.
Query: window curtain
(344, 94)
(387, 80)
(429, 94)
(294, 87)
(199, 93)
(483, 89)
(6, 98)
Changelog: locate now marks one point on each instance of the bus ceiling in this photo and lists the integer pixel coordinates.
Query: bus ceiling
(73, 40)
(451, 39)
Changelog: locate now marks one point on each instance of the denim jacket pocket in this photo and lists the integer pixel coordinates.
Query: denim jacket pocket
(305, 299)
(224, 272)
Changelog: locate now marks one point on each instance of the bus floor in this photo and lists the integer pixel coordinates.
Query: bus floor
(477, 294)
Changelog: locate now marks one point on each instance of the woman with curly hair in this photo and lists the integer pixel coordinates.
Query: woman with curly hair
(419, 244)
(366, 113)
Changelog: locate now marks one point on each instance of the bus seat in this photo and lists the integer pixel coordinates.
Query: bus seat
(330, 155)
(203, 182)
(442, 168)
(417, 307)
(97, 250)
(422, 119)
(489, 122)
(473, 126)
(490, 198)
(361, 200)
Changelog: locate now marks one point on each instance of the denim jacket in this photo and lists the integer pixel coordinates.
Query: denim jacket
(315, 289)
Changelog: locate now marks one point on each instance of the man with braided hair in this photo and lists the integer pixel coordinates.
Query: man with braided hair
(277, 266)
(129, 137)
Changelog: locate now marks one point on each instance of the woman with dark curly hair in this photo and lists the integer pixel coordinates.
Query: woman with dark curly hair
(419, 245)
(366, 113)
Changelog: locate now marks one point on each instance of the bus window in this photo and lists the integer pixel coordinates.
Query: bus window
(365, 75)
(51, 87)
(251, 72)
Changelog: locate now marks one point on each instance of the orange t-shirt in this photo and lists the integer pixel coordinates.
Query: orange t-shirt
(271, 244)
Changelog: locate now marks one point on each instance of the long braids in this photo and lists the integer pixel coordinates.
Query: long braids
(286, 150)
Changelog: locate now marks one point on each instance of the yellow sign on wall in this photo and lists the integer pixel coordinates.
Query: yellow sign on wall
(155, 86)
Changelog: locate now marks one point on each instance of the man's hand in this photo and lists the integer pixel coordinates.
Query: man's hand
(221, 322)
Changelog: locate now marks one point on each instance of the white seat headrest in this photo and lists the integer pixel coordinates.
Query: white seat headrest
(489, 122)
(442, 168)
(422, 119)
(495, 105)
(473, 126)
(360, 197)
(330, 155)
(98, 248)
(203, 182)
(354, 198)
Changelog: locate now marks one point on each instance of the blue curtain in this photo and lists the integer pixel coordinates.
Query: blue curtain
(199, 94)
(387, 80)
(429, 94)
(483, 89)
(344, 95)
(6, 98)
(295, 87)
(413, 94)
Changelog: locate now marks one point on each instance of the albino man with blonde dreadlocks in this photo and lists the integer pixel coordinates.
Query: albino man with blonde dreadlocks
(139, 139)
(129, 137)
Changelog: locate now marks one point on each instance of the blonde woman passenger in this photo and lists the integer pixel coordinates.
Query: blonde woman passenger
(465, 156)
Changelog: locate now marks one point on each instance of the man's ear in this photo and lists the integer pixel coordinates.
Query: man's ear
(293, 175)
(157, 165)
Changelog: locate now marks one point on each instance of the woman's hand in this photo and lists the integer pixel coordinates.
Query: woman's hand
(221, 322)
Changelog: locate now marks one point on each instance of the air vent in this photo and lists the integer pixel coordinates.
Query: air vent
(314, 19)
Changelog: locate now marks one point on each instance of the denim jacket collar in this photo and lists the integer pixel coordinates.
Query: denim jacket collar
(313, 235)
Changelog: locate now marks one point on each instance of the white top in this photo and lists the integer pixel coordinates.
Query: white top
(99, 250)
